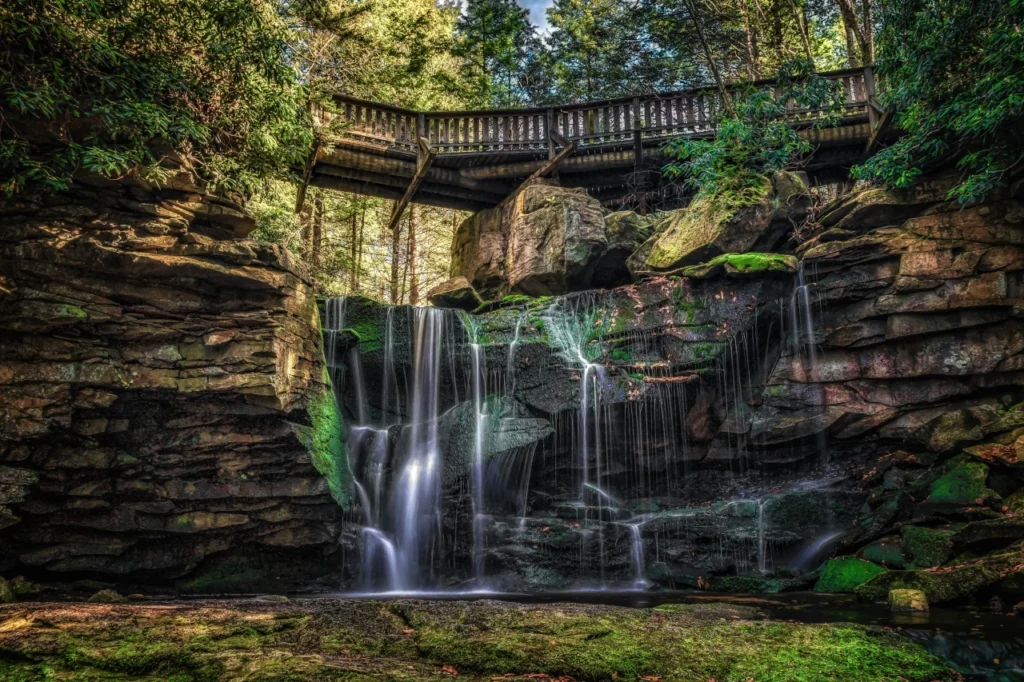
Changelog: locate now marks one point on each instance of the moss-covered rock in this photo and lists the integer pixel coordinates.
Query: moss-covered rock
(108, 597)
(743, 265)
(324, 438)
(949, 582)
(907, 600)
(364, 640)
(844, 574)
(927, 547)
(963, 485)
(6, 593)
(887, 552)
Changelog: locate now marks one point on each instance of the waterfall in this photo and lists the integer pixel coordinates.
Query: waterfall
(639, 573)
(510, 369)
(762, 544)
(480, 423)
(416, 497)
(372, 540)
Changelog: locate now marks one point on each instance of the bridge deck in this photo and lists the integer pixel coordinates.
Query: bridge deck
(480, 157)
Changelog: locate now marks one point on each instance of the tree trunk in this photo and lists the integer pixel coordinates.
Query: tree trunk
(856, 42)
(801, 25)
(869, 34)
(359, 247)
(750, 44)
(396, 243)
(414, 284)
(306, 220)
(726, 100)
(353, 237)
(318, 233)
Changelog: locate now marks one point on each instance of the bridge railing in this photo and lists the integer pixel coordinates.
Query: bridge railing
(617, 122)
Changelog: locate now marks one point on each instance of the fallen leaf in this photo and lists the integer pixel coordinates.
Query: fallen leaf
(449, 670)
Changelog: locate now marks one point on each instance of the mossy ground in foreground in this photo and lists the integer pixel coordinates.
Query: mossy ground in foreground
(327, 639)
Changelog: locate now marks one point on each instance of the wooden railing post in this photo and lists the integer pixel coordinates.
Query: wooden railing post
(421, 129)
(869, 93)
(550, 116)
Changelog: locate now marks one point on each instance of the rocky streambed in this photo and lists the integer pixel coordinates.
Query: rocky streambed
(354, 640)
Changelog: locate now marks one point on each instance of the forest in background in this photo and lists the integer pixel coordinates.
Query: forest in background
(226, 89)
(486, 54)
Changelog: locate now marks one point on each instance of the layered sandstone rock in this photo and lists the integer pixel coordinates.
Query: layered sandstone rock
(163, 399)
(547, 240)
(712, 226)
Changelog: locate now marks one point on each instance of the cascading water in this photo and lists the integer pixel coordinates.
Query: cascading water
(639, 569)
(611, 476)
(480, 418)
(416, 498)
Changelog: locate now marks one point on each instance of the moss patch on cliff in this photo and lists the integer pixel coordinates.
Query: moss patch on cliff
(325, 441)
(846, 573)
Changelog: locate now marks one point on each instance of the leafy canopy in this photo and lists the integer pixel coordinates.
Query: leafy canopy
(107, 85)
(757, 141)
(953, 73)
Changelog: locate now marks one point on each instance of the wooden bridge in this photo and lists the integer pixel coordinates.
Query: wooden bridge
(475, 159)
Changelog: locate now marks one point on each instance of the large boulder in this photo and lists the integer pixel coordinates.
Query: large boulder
(478, 252)
(555, 235)
(546, 240)
(455, 293)
(712, 226)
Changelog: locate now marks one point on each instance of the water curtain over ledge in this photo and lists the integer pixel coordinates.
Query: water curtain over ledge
(556, 443)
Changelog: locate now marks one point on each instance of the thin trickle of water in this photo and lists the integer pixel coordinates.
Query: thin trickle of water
(480, 421)
(639, 568)
(510, 368)
(762, 544)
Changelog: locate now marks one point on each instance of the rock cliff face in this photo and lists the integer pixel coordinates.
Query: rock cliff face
(164, 415)
(757, 417)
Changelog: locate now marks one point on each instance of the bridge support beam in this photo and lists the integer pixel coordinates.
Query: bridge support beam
(567, 150)
(426, 158)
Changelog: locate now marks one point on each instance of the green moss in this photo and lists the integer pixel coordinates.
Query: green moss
(692, 228)
(325, 442)
(621, 355)
(843, 574)
(366, 640)
(951, 582)
(963, 485)
(744, 263)
(72, 311)
(887, 552)
(927, 547)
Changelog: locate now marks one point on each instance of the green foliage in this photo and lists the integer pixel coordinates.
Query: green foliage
(500, 47)
(953, 74)
(757, 141)
(110, 85)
